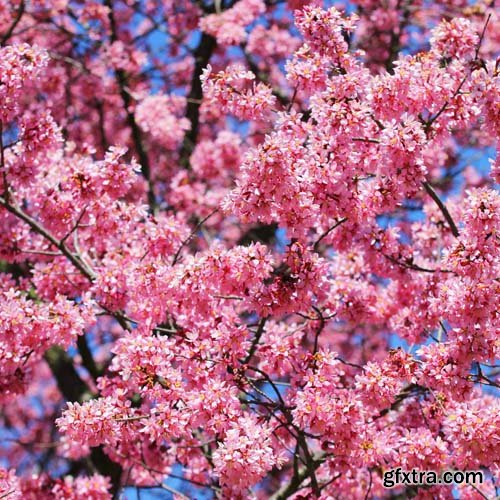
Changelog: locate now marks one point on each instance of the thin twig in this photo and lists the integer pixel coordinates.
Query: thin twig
(479, 491)
(227, 297)
(2, 165)
(442, 207)
(354, 365)
(41, 252)
(74, 259)
(326, 233)
(364, 139)
(321, 326)
(174, 491)
(256, 340)
(368, 491)
(414, 267)
(75, 227)
(188, 239)
(478, 48)
(8, 33)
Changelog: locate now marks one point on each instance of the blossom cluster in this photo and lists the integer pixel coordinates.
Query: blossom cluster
(229, 26)
(21, 63)
(236, 91)
(248, 245)
(161, 116)
(28, 329)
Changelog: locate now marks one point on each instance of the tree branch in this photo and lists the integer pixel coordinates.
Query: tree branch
(294, 485)
(327, 232)
(202, 55)
(256, 340)
(87, 358)
(193, 232)
(12, 27)
(76, 260)
(442, 207)
(121, 79)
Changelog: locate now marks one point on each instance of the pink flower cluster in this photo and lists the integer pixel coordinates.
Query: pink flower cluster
(444, 369)
(420, 449)
(242, 222)
(145, 361)
(229, 26)
(455, 38)
(19, 65)
(95, 487)
(95, 422)
(236, 91)
(299, 282)
(472, 428)
(273, 176)
(124, 58)
(238, 272)
(39, 136)
(29, 328)
(327, 408)
(380, 383)
(161, 116)
(212, 159)
(274, 43)
(9, 485)
(245, 454)
(325, 30)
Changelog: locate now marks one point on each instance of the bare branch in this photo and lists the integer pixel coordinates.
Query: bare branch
(256, 340)
(73, 258)
(12, 27)
(442, 207)
(326, 233)
(188, 239)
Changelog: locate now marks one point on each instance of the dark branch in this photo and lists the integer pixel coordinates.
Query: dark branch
(256, 340)
(73, 258)
(12, 27)
(87, 359)
(121, 79)
(327, 232)
(442, 207)
(202, 55)
(188, 239)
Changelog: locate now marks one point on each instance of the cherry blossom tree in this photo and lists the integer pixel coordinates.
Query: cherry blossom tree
(248, 248)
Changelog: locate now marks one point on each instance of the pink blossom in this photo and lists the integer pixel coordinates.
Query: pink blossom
(229, 26)
(322, 30)
(20, 64)
(9, 484)
(159, 116)
(471, 427)
(455, 38)
(95, 422)
(245, 455)
(216, 221)
(235, 90)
